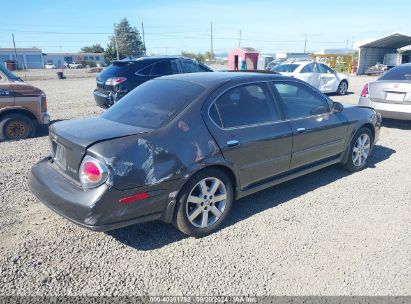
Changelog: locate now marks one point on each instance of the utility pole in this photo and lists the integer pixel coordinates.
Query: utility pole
(144, 40)
(305, 43)
(239, 40)
(211, 36)
(15, 51)
(115, 38)
(346, 44)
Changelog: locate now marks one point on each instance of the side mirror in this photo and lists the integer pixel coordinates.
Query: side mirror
(337, 107)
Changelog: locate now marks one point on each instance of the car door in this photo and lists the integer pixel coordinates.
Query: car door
(318, 132)
(328, 78)
(310, 75)
(247, 125)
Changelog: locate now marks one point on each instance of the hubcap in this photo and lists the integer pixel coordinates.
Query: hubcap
(361, 150)
(343, 88)
(16, 129)
(206, 202)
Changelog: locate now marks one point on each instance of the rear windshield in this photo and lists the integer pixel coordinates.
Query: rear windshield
(123, 68)
(6, 72)
(402, 72)
(154, 103)
(285, 68)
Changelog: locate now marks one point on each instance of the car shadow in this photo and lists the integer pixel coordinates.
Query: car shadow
(154, 235)
(336, 94)
(396, 124)
(43, 130)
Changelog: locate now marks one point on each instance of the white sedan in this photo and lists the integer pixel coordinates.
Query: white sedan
(317, 74)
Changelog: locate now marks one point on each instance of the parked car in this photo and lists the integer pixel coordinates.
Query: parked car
(49, 65)
(22, 107)
(75, 65)
(182, 148)
(122, 76)
(274, 63)
(319, 75)
(390, 95)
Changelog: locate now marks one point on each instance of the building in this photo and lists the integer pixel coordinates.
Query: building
(58, 59)
(388, 50)
(246, 54)
(34, 58)
(27, 58)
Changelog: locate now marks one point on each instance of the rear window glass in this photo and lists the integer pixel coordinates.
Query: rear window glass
(6, 72)
(398, 73)
(123, 68)
(154, 103)
(285, 68)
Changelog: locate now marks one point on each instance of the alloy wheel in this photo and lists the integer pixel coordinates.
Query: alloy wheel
(206, 202)
(342, 88)
(361, 150)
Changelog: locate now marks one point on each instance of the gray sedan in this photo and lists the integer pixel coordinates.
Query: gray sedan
(183, 148)
(390, 95)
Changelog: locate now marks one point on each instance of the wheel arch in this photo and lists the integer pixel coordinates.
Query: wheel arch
(171, 209)
(20, 111)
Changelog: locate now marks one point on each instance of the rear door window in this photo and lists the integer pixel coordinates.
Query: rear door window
(402, 72)
(309, 68)
(191, 66)
(154, 103)
(325, 69)
(160, 68)
(245, 105)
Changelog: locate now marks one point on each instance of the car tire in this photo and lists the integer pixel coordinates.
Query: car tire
(342, 88)
(359, 150)
(16, 126)
(198, 212)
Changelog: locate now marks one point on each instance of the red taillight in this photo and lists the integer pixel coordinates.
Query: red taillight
(92, 173)
(134, 198)
(364, 92)
(113, 81)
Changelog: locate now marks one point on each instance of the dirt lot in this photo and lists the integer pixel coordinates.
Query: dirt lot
(328, 233)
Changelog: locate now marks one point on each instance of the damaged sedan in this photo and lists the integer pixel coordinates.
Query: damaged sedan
(183, 148)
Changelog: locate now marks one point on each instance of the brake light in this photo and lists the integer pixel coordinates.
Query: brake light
(135, 197)
(364, 92)
(43, 103)
(93, 172)
(113, 81)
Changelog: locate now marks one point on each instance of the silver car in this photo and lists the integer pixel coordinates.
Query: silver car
(390, 95)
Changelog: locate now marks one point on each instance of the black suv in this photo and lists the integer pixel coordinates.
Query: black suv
(122, 76)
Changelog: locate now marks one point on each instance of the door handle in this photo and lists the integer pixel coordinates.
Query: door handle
(300, 130)
(233, 143)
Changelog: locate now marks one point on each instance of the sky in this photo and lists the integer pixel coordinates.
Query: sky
(172, 26)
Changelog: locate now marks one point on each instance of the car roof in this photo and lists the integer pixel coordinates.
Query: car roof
(151, 58)
(212, 79)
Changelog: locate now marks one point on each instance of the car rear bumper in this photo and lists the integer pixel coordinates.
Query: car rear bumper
(97, 209)
(101, 99)
(388, 110)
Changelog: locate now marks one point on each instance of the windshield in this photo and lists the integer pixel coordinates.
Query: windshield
(285, 68)
(402, 72)
(6, 72)
(154, 103)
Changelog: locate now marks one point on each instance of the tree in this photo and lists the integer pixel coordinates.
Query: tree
(128, 40)
(95, 48)
(110, 53)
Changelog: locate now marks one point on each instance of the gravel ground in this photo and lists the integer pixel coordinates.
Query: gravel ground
(328, 233)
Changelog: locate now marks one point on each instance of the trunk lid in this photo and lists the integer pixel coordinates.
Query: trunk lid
(398, 92)
(70, 140)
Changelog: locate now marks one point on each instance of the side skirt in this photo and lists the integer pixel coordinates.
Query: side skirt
(286, 176)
